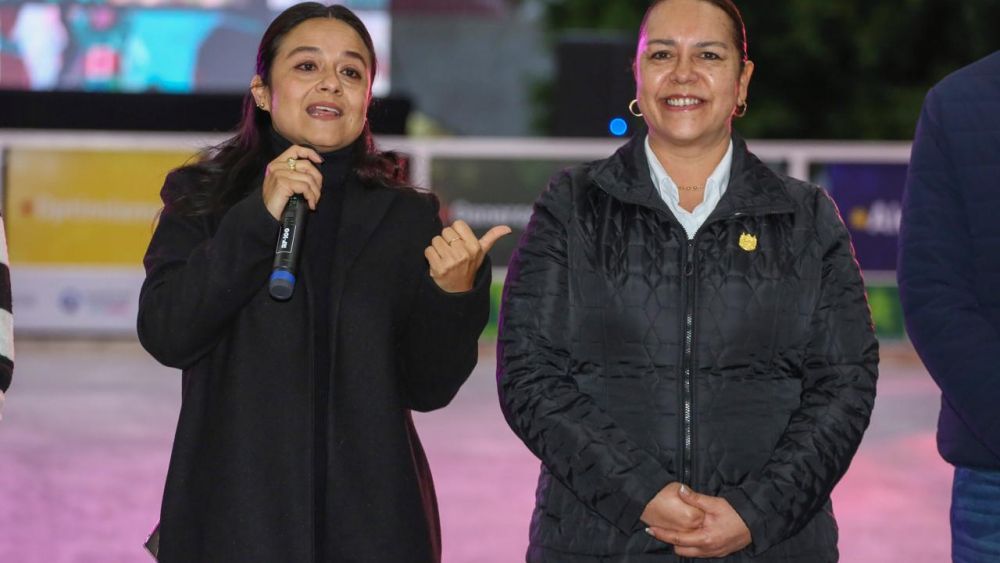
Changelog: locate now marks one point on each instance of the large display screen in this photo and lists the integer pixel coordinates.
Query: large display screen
(169, 46)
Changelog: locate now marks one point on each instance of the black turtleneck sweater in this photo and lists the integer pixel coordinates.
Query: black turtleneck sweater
(315, 267)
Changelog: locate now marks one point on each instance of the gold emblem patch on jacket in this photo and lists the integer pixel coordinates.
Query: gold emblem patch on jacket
(748, 242)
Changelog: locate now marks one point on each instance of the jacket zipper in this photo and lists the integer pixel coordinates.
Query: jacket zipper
(690, 261)
(687, 367)
(687, 396)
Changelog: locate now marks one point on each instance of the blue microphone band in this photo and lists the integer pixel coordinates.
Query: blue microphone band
(281, 284)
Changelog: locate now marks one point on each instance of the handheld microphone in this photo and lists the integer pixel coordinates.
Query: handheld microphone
(286, 256)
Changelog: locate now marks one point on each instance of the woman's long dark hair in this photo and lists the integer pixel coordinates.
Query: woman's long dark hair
(226, 172)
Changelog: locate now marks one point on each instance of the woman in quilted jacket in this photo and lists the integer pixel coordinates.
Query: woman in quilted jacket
(685, 339)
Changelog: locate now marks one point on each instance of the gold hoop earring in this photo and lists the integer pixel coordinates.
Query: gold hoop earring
(741, 109)
(633, 108)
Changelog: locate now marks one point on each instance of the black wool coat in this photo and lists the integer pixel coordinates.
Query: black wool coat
(240, 486)
(742, 363)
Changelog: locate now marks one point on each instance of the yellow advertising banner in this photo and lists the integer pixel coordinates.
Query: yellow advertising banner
(83, 207)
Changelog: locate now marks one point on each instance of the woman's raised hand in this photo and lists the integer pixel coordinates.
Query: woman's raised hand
(456, 254)
(292, 172)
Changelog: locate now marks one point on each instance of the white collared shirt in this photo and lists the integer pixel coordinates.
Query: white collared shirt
(714, 188)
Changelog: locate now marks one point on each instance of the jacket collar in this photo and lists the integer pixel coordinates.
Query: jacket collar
(754, 189)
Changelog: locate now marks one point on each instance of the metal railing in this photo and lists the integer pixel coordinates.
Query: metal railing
(797, 156)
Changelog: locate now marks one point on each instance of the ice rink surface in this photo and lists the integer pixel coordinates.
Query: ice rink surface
(88, 426)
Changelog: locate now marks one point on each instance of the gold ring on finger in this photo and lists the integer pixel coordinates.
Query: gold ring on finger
(291, 163)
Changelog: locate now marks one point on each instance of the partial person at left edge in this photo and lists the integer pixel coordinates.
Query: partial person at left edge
(295, 440)
(6, 320)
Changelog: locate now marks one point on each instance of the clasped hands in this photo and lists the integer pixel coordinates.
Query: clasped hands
(697, 525)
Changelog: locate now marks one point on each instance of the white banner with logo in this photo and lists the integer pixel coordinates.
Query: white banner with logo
(76, 300)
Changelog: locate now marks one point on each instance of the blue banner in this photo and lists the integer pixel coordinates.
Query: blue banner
(870, 200)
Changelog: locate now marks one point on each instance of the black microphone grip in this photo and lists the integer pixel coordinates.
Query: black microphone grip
(286, 255)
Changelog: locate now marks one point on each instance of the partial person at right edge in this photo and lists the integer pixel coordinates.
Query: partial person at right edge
(6, 320)
(949, 275)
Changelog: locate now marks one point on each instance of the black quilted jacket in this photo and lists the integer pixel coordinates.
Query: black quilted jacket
(742, 363)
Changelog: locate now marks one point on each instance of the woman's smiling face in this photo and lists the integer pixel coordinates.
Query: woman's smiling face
(689, 77)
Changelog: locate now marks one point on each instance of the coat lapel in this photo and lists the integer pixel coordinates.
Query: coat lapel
(364, 209)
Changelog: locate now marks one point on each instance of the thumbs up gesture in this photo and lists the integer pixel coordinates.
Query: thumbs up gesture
(456, 255)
